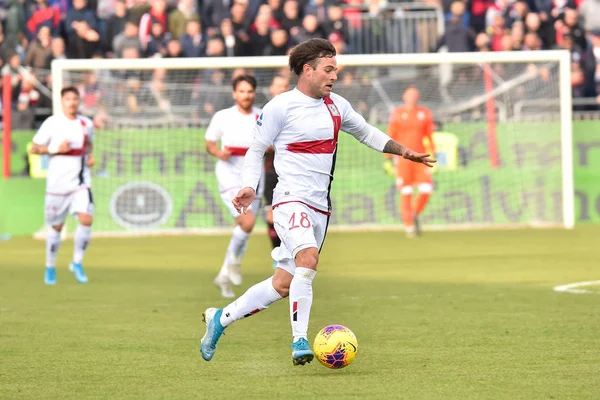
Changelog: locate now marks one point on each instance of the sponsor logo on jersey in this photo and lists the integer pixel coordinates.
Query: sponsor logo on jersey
(259, 120)
(140, 205)
(333, 109)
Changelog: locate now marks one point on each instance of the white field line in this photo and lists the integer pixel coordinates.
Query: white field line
(572, 287)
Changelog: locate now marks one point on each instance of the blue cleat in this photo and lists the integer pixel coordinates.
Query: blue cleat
(77, 270)
(301, 353)
(275, 264)
(50, 276)
(214, 330)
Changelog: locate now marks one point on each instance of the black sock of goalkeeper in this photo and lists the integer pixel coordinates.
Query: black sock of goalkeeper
(273, 235)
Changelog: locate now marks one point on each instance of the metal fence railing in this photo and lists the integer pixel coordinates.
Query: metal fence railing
(398, 28)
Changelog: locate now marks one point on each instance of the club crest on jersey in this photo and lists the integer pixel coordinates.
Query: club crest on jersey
(259, 120)
(421, 115)
(333, 109)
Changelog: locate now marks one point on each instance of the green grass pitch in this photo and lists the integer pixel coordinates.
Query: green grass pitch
(453, 315)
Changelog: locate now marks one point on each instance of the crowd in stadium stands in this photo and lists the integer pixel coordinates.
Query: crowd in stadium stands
(34, 32)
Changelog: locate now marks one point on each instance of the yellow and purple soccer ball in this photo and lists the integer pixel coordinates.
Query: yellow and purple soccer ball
(335, 346)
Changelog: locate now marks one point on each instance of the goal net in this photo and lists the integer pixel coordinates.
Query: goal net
(503, 138)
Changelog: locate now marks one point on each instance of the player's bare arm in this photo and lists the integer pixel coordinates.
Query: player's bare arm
(90, 156)
(393, 147)
(213, 149)
(60, 149)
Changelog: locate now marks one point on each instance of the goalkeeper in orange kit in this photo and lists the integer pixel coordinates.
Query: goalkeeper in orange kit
(412, 125)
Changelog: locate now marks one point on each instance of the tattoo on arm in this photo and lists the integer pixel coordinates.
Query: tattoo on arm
(393, 147)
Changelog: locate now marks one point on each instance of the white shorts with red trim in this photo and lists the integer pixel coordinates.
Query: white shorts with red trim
(227, 196)
(229, 178)
(58, 206)
(299, 226)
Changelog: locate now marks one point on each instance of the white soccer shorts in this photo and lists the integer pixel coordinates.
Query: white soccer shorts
(299, 227)
(227, 196)
(230, 183)
(58, 206)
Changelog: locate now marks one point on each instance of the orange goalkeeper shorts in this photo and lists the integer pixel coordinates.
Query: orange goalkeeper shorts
(409, 173)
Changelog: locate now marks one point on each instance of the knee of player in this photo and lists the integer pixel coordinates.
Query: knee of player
(308, 258)
(86, 219)
(282, 285)
(57, 228)
(246, 222)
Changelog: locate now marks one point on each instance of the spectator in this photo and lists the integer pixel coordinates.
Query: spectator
(158, 13)
(517, 12)
(478, 14)
(482, 42)
(179, 18)
(39, 50)
(44, 15)
(320, 10)
(276, 9)
(264, 12)
(238, 18)
(193, 43)
(338, 42)
(571, 22)
(15, 20)
(7, 47)
(517, 34)
(214, 11)
(234, 46)
(174, 49)
(279, 43)
(114, 25)
(336, 22)
(82, 31)
(497, 32)
(457, 37)
(215, 48)
(157, 45)
(291, 20)
(57, 48)
(128, 38)
(533, 24)
(590, 14)
(532, 42)
(310, 29)
(12, 68)
(260, 38)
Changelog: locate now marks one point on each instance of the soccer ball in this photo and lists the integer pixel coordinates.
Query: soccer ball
(335, 346)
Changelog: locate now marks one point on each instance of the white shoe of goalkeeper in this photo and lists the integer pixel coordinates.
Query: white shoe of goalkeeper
(222, 282)
(234, 271)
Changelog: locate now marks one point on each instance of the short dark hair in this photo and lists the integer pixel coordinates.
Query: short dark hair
(244, 78)
(69, 89)
(309, 52)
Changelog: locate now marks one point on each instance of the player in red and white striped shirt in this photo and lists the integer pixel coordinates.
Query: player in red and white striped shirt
(67, 138)
(303, 126)
(233, 128)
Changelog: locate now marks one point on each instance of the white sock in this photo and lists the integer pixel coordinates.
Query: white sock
(257, 298)
(238, 243)
(81, 240)
(301, 296)
(223, 271)
(52, 246)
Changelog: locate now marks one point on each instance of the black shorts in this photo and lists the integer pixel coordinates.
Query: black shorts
(270, 183)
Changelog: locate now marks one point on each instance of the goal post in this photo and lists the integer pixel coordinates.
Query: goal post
(154, 160)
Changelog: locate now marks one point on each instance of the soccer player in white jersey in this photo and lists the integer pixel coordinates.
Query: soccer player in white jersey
(303, 126)
(67, 138)
(233, 128)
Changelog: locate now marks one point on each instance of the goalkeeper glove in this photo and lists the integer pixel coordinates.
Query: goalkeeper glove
(388, 166)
